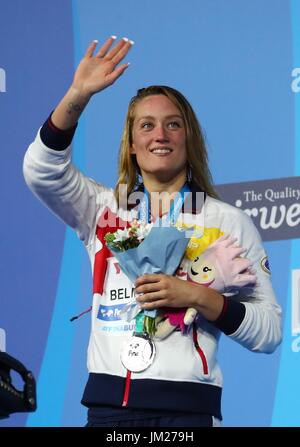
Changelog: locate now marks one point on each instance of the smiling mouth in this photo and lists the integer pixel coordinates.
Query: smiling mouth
(161, 150)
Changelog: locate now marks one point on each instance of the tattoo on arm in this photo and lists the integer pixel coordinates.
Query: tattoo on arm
(73, 108)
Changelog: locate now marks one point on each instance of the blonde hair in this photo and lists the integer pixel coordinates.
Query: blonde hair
(197, 157)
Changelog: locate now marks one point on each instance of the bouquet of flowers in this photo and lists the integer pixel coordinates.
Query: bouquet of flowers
(146, 249)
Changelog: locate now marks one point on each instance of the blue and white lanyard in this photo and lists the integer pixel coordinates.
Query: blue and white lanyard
(144, 214)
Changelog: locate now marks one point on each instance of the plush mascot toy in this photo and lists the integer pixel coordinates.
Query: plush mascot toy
(219, 267)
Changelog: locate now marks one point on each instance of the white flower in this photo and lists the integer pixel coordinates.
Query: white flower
(121, 235)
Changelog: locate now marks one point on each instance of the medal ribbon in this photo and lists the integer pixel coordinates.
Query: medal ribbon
(170, 218)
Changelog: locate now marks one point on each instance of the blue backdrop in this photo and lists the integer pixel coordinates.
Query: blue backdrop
(233, 60)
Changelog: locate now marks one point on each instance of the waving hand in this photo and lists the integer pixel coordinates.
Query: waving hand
(96, 72)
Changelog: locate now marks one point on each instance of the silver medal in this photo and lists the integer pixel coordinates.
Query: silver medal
(138, 352)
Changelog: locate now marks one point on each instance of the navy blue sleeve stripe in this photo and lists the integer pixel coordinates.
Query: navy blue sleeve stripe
(231, 316)
(55, 138)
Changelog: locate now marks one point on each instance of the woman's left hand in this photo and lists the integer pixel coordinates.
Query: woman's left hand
(159, 290)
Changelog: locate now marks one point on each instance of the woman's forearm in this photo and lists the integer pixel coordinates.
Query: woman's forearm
(208, 302)
(70, 108)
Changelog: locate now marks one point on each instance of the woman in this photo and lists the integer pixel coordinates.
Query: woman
(162, 151)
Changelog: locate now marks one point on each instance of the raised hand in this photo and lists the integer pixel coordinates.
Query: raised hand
(95, 73)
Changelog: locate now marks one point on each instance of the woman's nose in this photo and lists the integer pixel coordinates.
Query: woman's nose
(161, 135)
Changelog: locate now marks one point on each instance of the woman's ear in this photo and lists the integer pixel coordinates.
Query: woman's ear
(132, 149)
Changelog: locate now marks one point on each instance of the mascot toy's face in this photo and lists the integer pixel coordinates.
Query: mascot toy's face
(202, 271)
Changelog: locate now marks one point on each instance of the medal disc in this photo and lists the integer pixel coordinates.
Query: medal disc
(138, 352)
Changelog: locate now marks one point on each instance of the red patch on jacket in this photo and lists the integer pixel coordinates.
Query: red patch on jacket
(108, 222)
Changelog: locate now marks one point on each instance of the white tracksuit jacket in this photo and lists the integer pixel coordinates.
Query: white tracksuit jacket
(179, 378)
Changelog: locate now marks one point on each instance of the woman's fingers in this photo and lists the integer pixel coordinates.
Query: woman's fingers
(118, 72)
(150, 287)
(104, 50)
(121, 53)
(91, 48)
(154, 303)
(106, 46)
(148, 278)
(115, 54)
(109, 55)
(150, 296)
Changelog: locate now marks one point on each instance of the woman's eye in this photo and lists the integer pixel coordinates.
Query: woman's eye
(146, 125)
(174, 125)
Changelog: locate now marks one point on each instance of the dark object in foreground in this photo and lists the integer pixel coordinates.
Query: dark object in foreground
(11, 399)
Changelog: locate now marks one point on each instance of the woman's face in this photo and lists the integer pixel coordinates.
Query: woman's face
(159, 138)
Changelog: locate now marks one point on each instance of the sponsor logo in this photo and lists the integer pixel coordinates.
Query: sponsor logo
(2, 340)
(264, 263)
(296, 310)
(110, 313)
(274, 205)
(2, 80)
(295, 84)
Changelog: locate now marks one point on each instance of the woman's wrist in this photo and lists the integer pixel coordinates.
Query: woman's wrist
(208, 302)
(80, 94)
(68, 111)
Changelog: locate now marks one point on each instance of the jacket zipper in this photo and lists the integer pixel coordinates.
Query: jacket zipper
(199, 350)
